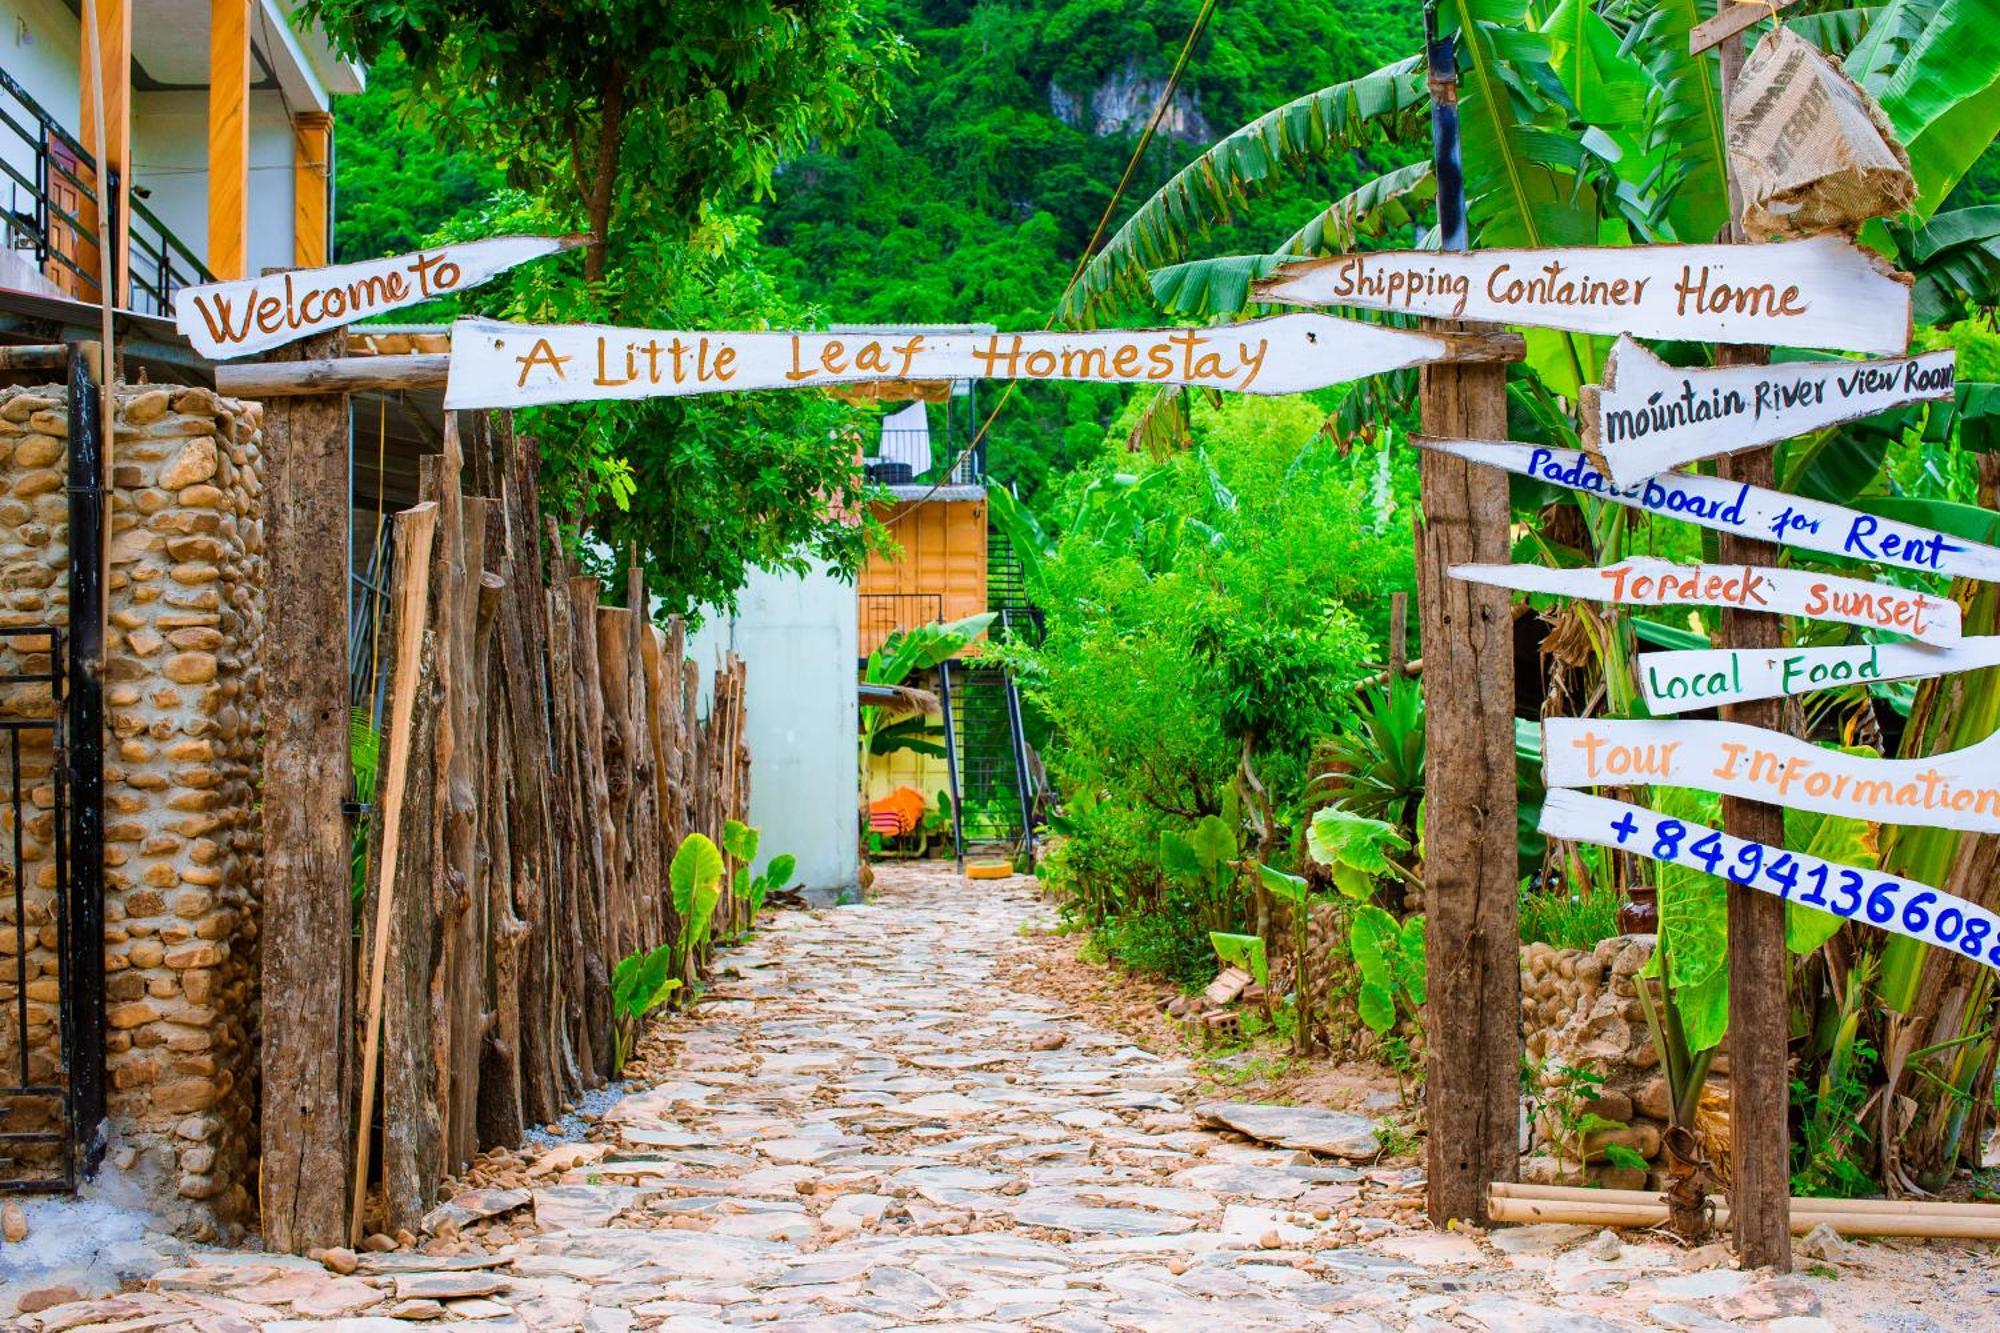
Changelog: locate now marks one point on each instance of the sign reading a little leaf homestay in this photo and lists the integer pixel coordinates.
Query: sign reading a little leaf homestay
(1648, 416)
(227, 319)
(1678, 680)
(1820, 292)
(518, 365)
(1744, 510)
(1792, 592)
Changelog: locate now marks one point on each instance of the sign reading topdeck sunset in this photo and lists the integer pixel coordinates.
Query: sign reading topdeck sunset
(226, 319)
(1821, 292)
(519, 365)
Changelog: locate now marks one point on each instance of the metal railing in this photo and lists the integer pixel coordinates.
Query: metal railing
(49, 182)
(885, 613)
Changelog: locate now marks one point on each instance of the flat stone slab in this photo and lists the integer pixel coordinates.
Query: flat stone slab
(1308, 1128)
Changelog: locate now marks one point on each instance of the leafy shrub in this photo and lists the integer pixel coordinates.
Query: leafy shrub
(1566, 918)
(1165, 944)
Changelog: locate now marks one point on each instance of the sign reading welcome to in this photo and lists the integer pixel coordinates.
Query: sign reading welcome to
(1749, 511)
(1819, 292)
(517, 365)
(1649, 416)
(1678, 680)
(1958, 790)
(1889, 902)
(1792, 592)
(225, 319)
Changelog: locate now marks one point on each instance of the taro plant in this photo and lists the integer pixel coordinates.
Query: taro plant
(1388, 955)
(1205, 861)
(740, 840)
(639, 984)
(695, 880)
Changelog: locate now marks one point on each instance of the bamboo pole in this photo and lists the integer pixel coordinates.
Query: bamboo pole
(1914, 1219)
(1800, 1203)
(415, 529)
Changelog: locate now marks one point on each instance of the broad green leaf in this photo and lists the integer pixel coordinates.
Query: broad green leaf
(1244, 951)
(1959, 520)
(1340, 837)
(739, 840)
(695, 865)
(1290, 888)
(1938, 83)
(1607, 88)
(1371, 938)
(779, 872)
(1213, 843)
(1704, 1010)
(1177, 857)
(1414, 954)
(1376, 1006)
(1847, 842)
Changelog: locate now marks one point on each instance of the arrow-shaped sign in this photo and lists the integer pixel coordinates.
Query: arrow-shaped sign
(1681, 679)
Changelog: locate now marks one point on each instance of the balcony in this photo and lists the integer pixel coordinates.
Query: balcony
(50, 191)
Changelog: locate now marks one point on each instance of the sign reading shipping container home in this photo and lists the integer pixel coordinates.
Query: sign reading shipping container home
(1745, 510)
(1822, 292)
(225, 319)
(1851, 893)
(517, 365)
(1679, 680)
(1959, 790)
(1649, 416)
(1792, 592)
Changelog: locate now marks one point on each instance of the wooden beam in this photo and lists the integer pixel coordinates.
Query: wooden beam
(307, 921)
(228, 136)
(1759, 1020)
(312, 163)
(1730, 19)
(112, 47)
(330, 374)
(34, 356)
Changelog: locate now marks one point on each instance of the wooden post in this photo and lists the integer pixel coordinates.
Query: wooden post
(1472, 1015)
(307, 917)
(107, 64)
(1759, 1020)
(312, 164)
(228, 136)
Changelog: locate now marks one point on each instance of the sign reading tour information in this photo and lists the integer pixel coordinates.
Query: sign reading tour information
(1676, 681)
(1958, 790)
(225, 319)
(1747, 511)
(1820, 292)
(1791, 592)
(1848, 892)
(1649, 416)
(519, 365)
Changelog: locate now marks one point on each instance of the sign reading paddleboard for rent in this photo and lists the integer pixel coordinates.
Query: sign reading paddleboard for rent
(1678, 680)
(226, 319)
(1958, 790)
(1649, 416)
(1819, 292)
(1851, 893)
(522, 365)
(1791, 592)
(1746, 510)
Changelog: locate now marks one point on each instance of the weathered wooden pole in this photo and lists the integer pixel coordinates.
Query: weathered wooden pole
(307, 917)
(1759, 1022)
(1472, 1014)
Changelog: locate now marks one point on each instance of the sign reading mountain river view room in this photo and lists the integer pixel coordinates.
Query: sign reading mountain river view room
(1743, 509)
(1649, 416)
(1820, 292)
(1791, 592)
(1959, 790)
(1888, 902)
(226, 319)
(1678, 680)
(516, 365)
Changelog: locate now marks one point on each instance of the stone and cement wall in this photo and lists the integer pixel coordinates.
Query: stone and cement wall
(183, 845)
(1580, 1011)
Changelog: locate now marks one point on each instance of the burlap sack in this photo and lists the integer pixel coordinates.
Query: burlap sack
(1808, 149)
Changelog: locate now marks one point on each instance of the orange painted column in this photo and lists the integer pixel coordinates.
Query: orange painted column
(228, 136)
(312, 162)
(114, 70)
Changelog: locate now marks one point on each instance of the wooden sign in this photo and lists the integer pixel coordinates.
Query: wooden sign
(1745, 510)
(517, 365)
(1649, 416)
(1820, 292)
(1959, 790)
(1791, 592)
(1889, 902)
(225, 319)
(1676, 681)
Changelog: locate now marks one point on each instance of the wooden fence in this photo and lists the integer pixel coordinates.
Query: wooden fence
(542, 758)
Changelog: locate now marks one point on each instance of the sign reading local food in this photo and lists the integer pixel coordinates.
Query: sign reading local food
(1793, 592)
(1849, 892)
(517, 365)
(1819, 292)
(1678, 680)
(1743, 509)
(1959, 790)
(225, 319)
(1649, 416)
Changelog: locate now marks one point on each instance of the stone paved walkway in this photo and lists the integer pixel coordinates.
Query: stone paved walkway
(861, 1130)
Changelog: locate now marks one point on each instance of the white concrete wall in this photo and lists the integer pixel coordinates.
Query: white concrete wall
(38, 48)
(797, 635)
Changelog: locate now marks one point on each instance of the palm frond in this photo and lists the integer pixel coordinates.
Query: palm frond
(1162, 428)
(1938, 82)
